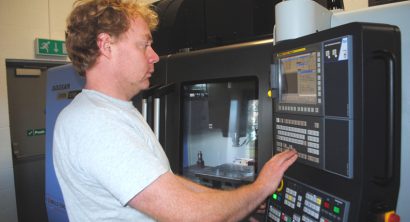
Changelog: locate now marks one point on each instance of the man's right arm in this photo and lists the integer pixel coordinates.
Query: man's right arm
(192, 185)
(169, 199)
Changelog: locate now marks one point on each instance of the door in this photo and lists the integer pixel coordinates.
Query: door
(26, 83)
(26, 94)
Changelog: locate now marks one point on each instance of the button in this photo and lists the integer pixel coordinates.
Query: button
(326, 205)
(391, 217)
(290, 198)
(296, 218)
(336, 210)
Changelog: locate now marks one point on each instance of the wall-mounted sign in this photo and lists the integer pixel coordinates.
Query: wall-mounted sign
(35, 132)
(49, 47)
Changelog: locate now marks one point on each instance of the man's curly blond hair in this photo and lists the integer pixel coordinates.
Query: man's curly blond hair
(89, 18)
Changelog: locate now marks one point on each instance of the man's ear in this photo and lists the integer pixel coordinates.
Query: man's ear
(104, 44)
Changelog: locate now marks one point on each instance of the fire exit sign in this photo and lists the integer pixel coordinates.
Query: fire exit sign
(50, 47)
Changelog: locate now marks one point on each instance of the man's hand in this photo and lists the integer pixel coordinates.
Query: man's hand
(273, 170)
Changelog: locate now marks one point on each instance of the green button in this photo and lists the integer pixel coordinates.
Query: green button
(336, 209)
(275, 196)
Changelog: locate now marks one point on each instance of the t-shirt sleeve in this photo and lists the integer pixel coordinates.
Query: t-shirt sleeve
(119, 157)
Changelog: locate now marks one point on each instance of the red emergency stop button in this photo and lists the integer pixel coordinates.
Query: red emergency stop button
(391, 217)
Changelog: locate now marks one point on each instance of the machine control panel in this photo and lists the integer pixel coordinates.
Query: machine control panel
(297, 202)
(313, 108)
(336, 101)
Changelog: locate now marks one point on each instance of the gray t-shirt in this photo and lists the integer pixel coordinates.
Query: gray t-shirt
(104, 154)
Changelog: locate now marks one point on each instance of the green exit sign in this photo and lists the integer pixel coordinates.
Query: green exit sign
(50, 47)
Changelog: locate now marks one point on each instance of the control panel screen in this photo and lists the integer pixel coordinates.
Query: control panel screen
(298, 79)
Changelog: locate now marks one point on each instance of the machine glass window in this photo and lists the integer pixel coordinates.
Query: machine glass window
(220, 122)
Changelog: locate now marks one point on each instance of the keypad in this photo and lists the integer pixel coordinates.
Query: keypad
(295, 134)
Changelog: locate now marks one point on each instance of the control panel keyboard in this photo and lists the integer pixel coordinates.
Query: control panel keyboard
(302, 135)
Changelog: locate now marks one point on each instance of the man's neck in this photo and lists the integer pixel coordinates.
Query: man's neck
(103, 81)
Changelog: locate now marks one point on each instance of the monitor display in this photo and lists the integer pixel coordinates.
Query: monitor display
(298, 79)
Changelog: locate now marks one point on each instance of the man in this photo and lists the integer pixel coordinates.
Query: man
(108, 162)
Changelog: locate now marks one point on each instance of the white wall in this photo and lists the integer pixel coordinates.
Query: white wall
(355, 4)
(21, 21)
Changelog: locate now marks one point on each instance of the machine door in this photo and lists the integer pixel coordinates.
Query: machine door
(220, 123)
(218, 79)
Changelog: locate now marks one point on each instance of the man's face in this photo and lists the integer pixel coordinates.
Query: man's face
(134, 58)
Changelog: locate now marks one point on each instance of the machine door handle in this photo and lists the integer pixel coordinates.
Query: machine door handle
(160, 92)
(145, 95)
(391, 63)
